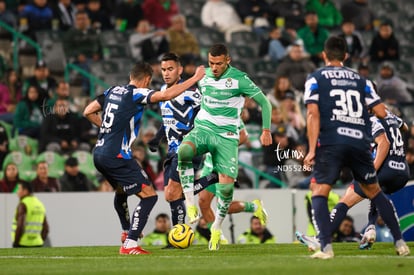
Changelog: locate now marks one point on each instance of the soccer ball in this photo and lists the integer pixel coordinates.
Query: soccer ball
(181, 236)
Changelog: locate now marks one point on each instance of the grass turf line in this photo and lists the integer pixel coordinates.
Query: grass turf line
(230, 259)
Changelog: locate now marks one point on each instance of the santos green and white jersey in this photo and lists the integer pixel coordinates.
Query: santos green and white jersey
(223, 100)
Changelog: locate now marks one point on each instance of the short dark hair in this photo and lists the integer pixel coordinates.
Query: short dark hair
(171, 57)
(218, 49)
(335, 48)
(141, 70)
(162, 216)
(27, 186)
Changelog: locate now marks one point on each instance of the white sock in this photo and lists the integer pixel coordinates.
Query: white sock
(189, 198)
(130, 243)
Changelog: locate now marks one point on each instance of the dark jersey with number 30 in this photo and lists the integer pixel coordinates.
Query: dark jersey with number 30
(122, 107)
(343, 98)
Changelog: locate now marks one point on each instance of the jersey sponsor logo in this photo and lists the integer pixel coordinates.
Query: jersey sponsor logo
(370, 175)
(340, 74)
(119, 90)
(166, 112)
(343, 82)
(170, 121)
(115, 97)
(349, 132)
(347, 119)
(396, 165)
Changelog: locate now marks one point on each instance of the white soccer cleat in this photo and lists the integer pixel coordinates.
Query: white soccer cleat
(401, 248)
(311, 243)
(369, 237)
(326, 254)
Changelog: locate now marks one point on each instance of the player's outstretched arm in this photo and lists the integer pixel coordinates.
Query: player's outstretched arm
(91, 112)
(261, 99)
(383, 147)
(313, 123)
(176, 90)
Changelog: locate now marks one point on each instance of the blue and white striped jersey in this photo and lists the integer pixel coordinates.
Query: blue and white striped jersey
(178, 116)
(122, 107)
(343, 98)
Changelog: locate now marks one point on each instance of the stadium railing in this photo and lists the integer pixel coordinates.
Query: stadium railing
(17, 36)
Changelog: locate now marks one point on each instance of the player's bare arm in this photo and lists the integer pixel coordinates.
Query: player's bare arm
(176, 90)
(91, 112)
(383, 147)
(380, 110)
(313, 122)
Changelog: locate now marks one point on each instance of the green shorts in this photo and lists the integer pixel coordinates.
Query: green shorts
(224, 151)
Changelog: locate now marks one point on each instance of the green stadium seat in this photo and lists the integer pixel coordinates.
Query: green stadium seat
(86, 164)
(24, 163)
(24, 144)
(56, 163)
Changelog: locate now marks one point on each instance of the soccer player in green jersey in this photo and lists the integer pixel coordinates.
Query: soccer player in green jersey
(216, 130)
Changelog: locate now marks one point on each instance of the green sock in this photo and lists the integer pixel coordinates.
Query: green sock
(249, 207)
(186, 172)
(225, 196)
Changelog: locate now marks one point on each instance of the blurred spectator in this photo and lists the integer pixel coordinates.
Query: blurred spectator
(64, 12)
(180, 39)
(189, 62)
(10, 95)
(59, 132)
(384, 45)
(42, 182)
(160, 12)
(329, 16)
(156, 81)
(296, 66)
(282, 85)
(313, 36)
(127, 14)
(291, 112)
(145, 44)
(87, 132)
(221, 15)
(288, 14)
(359, 12)
(277, 120)
(364, 71)
(249, 10)
(42, 80)
(276, 50)
(74, 180)
(8, 184)
(82, 45)
(159, 237)
(154, 158)
(104, 185)
(409, 155)
(99, 18)
(295, 175)
(62, 92)
(7, 16)
(35, 16)
(392, 88)
(256, 234)
(355, 46)
(4, 144)
(346, 231)
(80, 5)
(28, 116)
(139, 153)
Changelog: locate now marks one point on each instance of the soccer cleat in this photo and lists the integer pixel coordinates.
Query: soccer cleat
(327, 253)
(192, 212)
(223, 239)
(133, 251)
(401, 248)
(368, 238)
(124, 236)
(311, 243)
(260, 212)
(214, 243)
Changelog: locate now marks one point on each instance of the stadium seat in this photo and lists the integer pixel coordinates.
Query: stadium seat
(263, 67)
(243, 38)
(191, 7)
(56, 163)
(193, 21)
(112, 37)
(209, 36)
(240, 64)
(242, 51)
(23, 162)
(403, 67)
(11, 133)
(24, 144)
(264, 82)
(117, 51)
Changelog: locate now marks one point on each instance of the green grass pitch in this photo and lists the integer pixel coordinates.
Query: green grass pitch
(230, 259)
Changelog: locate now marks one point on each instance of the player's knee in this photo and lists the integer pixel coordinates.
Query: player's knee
(185, 152)
(173, 191)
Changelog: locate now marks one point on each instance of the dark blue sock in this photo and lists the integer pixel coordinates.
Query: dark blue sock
(337, 215)
(321, 213)
(201, 183)
(387, 211)
(373, 214)
(121, 208)
(177, 211)
(140, 217)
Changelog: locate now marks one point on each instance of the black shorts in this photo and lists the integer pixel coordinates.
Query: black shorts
(125, 173)
(390, 180)
(330, 159)
(171, 167)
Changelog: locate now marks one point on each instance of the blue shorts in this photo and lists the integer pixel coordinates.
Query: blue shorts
(125, 173)
(330, 159)
(390, 180)
(171, 164)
